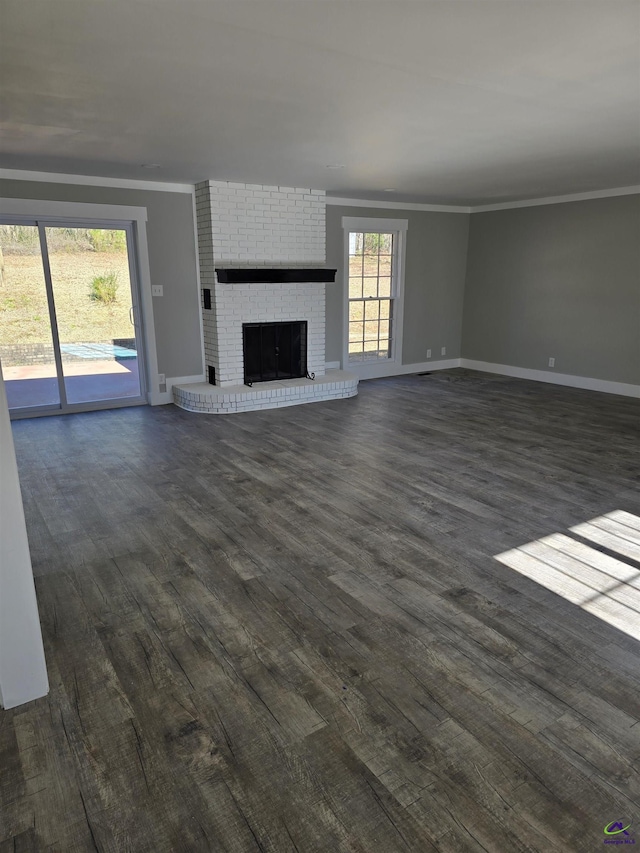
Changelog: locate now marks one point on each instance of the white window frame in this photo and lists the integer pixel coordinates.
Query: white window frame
(399, 228)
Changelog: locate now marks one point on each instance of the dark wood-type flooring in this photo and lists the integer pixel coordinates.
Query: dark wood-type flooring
(287, 630)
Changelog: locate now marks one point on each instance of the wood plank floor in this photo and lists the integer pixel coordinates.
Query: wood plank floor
(288, 630)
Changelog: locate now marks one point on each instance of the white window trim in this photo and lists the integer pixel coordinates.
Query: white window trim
(74, 211)
(399, 228)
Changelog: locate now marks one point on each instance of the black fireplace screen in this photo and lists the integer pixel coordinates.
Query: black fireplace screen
(274, 351)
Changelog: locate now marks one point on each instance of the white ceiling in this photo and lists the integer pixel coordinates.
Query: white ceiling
(446, 102)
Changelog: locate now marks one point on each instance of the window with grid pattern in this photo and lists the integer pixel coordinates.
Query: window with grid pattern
(371, 295)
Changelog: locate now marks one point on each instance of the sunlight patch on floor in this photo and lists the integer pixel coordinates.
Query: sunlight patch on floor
(615, 531)
(599, 583)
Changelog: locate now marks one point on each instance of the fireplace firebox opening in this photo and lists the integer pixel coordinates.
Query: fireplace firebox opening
(274, 351)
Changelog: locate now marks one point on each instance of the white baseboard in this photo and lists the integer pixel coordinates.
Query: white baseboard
(554, 378)
(569, 380)
(162, 398)
(384, 371)
(624, 389)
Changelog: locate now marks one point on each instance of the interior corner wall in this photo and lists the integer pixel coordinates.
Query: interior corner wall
(23, 671)
(560, 281)
(172, 261)
(435, 264)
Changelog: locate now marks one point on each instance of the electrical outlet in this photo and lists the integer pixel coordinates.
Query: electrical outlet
(428, 353)
(162, 379)
(443, 351)
(156, 290)
(552, 362)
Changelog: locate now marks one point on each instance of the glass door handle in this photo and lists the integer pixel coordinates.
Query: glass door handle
(131, 320)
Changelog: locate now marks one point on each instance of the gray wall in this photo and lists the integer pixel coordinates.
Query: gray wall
(434, 280)
(172, 260)
(559, 280)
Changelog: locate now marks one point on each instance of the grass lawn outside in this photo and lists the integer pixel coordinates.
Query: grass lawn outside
(24, 315)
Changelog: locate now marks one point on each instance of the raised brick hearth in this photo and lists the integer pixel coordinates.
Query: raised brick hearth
(214, 400)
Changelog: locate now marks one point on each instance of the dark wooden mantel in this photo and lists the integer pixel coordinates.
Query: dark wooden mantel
(270, 275)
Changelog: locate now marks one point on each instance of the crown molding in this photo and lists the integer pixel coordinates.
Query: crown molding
(157, 186)
(557, 199)
(93, 181)
(396, 205)
(484, 208)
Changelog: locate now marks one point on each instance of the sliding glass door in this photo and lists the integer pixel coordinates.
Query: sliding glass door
(26, 344)
(69, 336)
(91, 285)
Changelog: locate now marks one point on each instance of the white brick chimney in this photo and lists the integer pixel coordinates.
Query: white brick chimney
(244, 226)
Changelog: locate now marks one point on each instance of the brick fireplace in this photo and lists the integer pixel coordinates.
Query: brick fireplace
(260, 251)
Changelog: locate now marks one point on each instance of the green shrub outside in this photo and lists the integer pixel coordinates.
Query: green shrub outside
(103, 288)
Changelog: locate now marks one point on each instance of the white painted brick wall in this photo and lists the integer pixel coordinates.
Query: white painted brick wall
(267, 303)
(250, 225)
